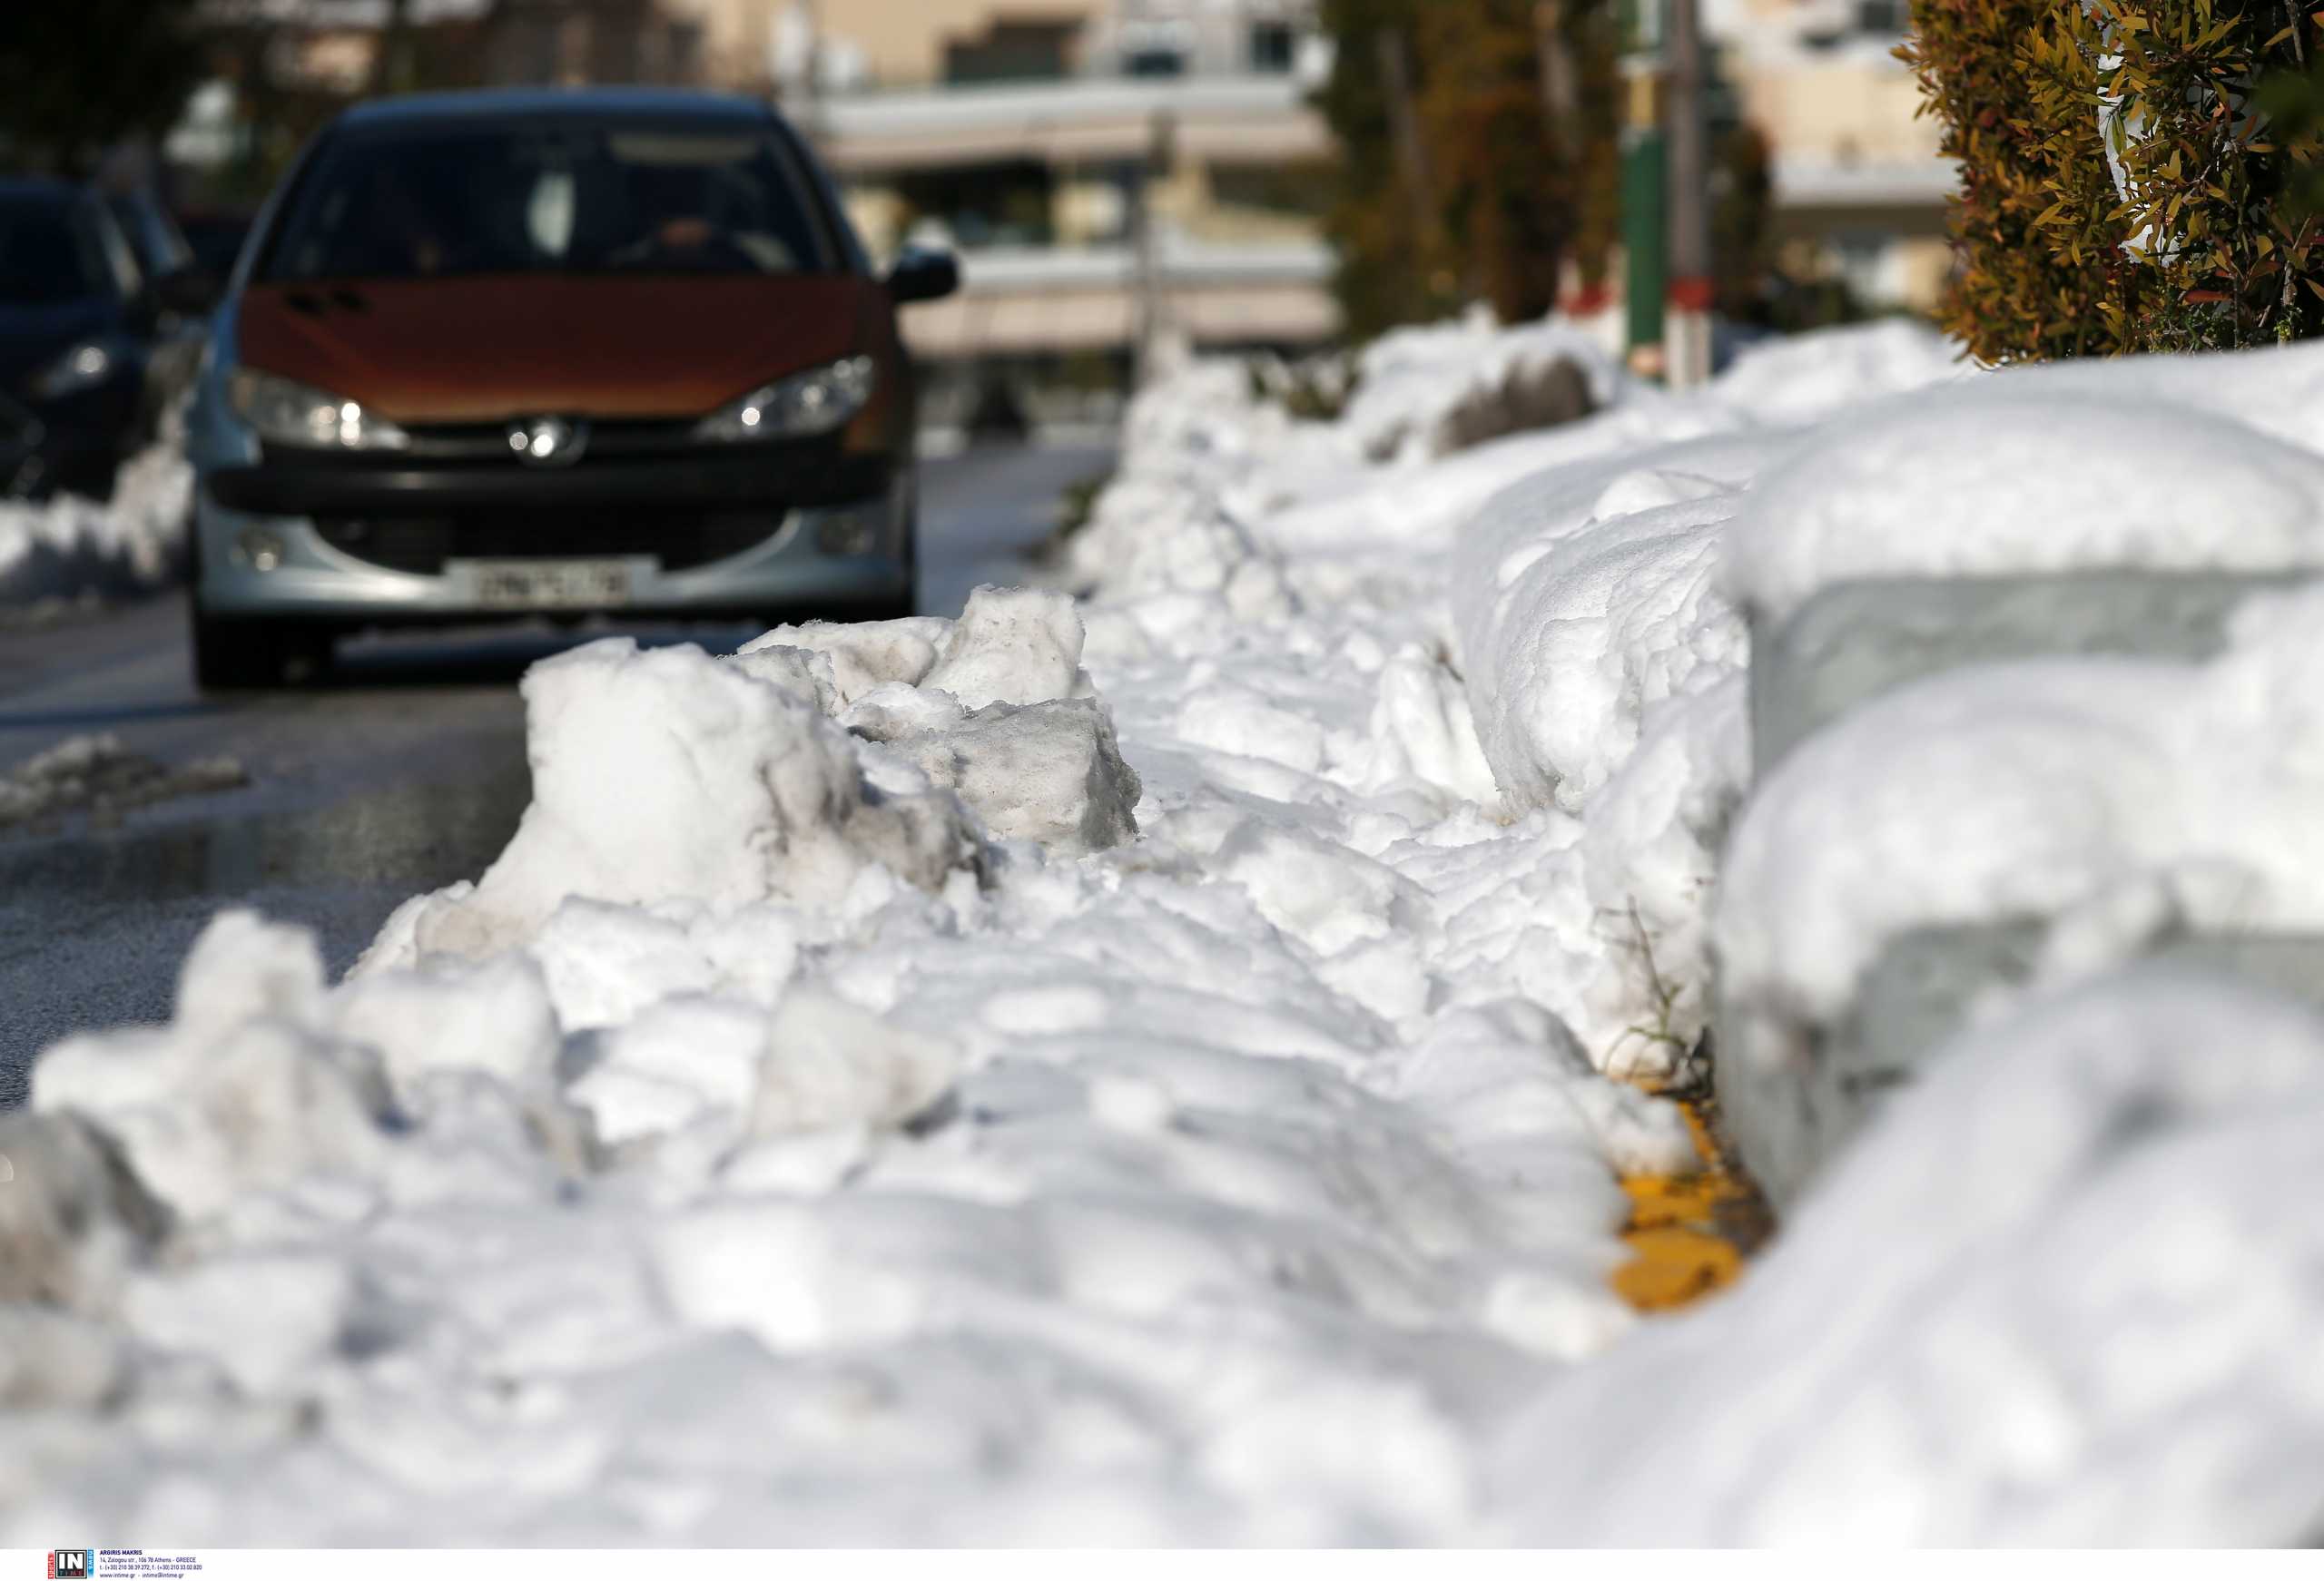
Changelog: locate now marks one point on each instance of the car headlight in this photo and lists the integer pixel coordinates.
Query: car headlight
(813, 402)
(289, 413)
(83, 366)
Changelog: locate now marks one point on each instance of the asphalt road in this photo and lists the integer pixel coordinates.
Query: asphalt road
(404, 772)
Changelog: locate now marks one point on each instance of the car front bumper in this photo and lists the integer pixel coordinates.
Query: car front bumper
(278, 544)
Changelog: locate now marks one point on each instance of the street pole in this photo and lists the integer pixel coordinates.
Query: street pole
(1153, 322)
(1687, 331)
(813, 87)
(1644, 187)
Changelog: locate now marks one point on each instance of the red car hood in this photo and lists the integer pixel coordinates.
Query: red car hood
(483, 348)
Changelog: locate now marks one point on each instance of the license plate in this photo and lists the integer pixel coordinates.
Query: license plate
(550, 584)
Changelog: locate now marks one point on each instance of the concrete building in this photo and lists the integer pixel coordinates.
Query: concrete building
(1120, 177)
(1860, 186)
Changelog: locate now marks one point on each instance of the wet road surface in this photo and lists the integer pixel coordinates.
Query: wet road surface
(402, 772)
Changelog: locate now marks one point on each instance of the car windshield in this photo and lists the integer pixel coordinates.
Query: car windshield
(48, 254)
(558, 198)
(153, 235)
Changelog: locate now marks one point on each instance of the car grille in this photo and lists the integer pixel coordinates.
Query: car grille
(422, 542)
(488, 442)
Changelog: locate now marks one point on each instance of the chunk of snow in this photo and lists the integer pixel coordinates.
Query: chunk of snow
(73, 1219)
(494, 1016)
(667, 775)
(71, 547)
(827, 1063)
(243, 1090)
(1012, 644)
(1423, 392)
(2031, 789)
(859, 654)
(2003, 475)
(1049, 772)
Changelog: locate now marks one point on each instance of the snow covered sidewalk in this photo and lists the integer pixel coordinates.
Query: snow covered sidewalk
(1145, 1072)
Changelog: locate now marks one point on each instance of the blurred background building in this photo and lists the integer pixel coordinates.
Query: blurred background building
(1858, 188)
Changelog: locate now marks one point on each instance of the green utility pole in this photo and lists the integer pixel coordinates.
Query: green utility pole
(1645, 187)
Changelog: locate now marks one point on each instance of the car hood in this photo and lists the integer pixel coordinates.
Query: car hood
(32, 337)
(503, 346)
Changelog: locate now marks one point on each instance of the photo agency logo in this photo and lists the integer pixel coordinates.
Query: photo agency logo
(71, 1564)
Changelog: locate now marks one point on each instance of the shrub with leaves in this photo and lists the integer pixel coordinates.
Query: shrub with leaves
(2123, 186)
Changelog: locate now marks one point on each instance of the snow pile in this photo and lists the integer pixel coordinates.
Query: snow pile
(2128, 799)
(69, 547)
(817, 767)
(243, 1090)
(1081, 1209)
(852, 1045)
(2065, 1293)
(1425, 392)
(1803, 378)
(668, 774)
(2118, 800)
(1022, 1080)
(995, 707)
(1442, 416)
(98, 774)
(1603, 662)
(2170, 464)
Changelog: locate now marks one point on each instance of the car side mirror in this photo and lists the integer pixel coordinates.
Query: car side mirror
(922, 274)
(192, 290)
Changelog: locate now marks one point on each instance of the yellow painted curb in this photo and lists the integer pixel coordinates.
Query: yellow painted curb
(1688, 1234)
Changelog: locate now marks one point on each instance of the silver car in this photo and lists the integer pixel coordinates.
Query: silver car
(515, 352)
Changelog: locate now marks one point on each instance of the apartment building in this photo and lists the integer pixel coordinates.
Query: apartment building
(1860, 185)
(1122, 179)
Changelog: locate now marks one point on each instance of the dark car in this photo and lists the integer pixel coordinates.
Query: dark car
(90, 340)
(152, 233)
(216, 237)
(523, 352)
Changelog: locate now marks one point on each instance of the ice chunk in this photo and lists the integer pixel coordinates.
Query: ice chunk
(665, 774)
(244, 1090)
(1049, 772)
(802, 671)
(243, 967)
(1423, 729)
(1012, 644)
(681, 1063)
(827, 1063)
(73, 1219)
(893, 711)
(860, 654)
(603, 964)
(494, 1018)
